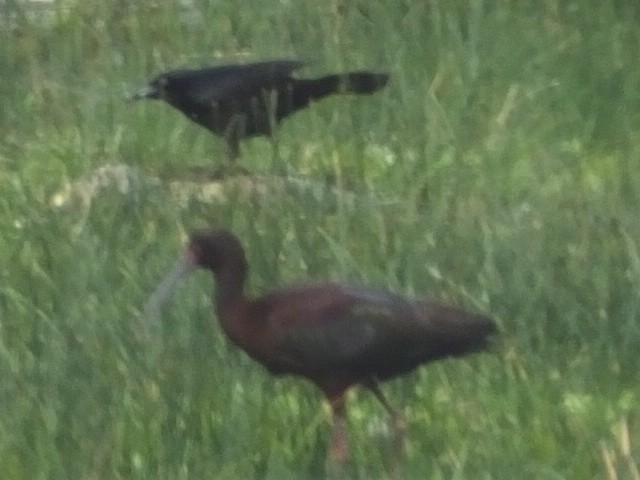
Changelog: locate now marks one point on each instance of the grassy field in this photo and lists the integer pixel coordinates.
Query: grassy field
(498, 171)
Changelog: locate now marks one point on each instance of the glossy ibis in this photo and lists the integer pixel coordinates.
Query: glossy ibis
(241, 101)
(337, 336)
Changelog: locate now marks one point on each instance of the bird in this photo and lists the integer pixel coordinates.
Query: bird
(245, 100)
(338, 336)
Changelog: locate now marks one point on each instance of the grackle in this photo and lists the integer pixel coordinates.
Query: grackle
(241, 101)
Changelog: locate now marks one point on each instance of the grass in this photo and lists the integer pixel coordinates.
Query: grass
(498, 171)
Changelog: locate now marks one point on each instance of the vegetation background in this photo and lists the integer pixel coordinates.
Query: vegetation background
(499, 171)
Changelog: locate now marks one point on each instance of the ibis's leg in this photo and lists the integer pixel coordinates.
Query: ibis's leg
(339, 449)
(398, 421)
(398, 427)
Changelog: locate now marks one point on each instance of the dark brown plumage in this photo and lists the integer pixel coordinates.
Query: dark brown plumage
(335, 335)
(241, 101)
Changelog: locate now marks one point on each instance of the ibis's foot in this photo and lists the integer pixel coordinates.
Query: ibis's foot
(339, 451)
(338, 454)
(398, 427)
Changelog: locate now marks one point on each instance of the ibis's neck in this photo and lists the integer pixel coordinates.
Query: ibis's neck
(229, 300)
(229, 292)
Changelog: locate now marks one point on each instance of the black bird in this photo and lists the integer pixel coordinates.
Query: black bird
(241, 101)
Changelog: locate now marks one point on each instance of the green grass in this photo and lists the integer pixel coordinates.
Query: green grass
(498, 171)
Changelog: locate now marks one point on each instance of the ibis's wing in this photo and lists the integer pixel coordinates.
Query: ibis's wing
(367, 332)
(353, 332)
